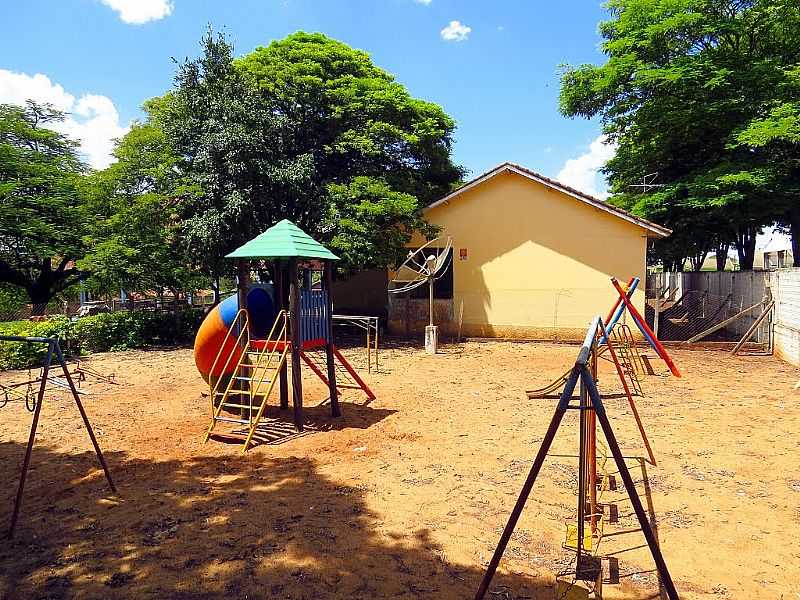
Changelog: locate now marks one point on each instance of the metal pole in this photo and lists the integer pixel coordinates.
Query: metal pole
(86, 422)
(430, 300)
(34, 424)
(641, 515)
(558, 415)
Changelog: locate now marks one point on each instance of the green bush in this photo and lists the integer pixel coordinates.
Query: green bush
(100, 333)
(18, 355)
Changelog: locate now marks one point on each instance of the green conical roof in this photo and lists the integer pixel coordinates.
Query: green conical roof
(283, 240)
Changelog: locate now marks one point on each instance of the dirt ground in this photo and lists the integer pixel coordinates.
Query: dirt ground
(404, 497)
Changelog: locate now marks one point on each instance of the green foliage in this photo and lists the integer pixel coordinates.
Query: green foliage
(373, 223)
(132, 329)
(100, 333)
(12, 300)
(687, 86)
(42, 212)
(284, 131)
(136, 245)
(19, 355)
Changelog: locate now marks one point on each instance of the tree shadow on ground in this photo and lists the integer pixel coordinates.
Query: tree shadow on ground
(277, 425)
(233, 527)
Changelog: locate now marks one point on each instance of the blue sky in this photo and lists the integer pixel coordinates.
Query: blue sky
(495, 70)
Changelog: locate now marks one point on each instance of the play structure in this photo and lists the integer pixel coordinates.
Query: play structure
(245, 344)
(426, 264)
(584, 536)
(35, 406)
(617, 345)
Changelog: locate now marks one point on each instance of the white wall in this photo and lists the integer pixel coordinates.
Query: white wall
(785, 286)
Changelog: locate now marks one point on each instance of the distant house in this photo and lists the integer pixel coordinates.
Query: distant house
(532, 258)
(776, 254)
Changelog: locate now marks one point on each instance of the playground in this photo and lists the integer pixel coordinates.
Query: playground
(404, 496)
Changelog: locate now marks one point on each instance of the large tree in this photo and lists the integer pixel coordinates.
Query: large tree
(135, 242)
(43, 214)
(306, 129)
(682, 80)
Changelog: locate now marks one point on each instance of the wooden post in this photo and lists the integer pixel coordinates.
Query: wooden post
(329, 358)
(243, 282)
(657, 315)
(280, 294)
(294, 314)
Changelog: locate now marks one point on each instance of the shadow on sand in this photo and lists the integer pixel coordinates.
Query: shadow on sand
(233, 527)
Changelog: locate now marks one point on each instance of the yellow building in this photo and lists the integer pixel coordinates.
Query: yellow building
(532, 259)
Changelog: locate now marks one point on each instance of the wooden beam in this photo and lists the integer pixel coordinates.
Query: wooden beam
(328, 279)
(721, 324)
(280, 295)
(294, 316)
(753, 327)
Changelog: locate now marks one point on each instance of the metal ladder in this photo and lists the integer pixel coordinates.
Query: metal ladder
(256, 365)
(628, 356)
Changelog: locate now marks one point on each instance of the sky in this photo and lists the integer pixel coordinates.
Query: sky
(493, 66)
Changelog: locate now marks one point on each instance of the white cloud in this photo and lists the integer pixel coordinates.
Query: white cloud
(136, 12)
(455, 32)
(582, 173)
(425, 2)
(93, 119)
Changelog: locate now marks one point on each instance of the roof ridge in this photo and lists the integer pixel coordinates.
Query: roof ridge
(555, 184)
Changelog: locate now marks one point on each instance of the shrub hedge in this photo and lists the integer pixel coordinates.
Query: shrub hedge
(99, 333)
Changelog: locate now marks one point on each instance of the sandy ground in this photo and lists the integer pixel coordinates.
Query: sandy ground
(404, 497)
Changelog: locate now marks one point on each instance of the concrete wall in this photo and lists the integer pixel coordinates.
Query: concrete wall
(748, 288)
(538, 262)
(785, 285)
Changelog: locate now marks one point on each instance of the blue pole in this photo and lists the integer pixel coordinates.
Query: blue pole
(620, 310)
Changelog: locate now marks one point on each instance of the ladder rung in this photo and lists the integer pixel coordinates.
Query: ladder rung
(232, 420)
(258, 392)
(232, 405)
(243, 378)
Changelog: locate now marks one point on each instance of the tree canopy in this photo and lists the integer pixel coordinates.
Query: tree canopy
(701, 92)
(307, 129)
(43, 211)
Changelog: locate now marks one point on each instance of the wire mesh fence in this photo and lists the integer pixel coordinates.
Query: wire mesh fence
(85, 309)
(716, 306)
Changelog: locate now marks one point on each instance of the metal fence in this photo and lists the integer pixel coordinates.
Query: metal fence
(78, 309)
(720, 304)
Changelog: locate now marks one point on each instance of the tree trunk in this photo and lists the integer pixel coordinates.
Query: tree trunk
(39, 296)
(794, 229)
(215, 289)
(746, 246)
(697, 260)
(722, 255)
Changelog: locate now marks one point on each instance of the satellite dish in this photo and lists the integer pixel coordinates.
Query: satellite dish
(423, 265)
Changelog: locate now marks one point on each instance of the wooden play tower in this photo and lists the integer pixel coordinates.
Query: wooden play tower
(302, 276)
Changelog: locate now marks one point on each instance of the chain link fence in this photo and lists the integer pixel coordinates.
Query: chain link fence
(709, 307)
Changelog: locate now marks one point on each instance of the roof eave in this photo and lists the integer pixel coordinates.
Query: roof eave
(653, 229)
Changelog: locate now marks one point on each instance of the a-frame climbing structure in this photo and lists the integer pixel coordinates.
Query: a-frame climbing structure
(591, 410)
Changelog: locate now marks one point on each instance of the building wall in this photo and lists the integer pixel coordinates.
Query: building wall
(538, 262)
(785, 286)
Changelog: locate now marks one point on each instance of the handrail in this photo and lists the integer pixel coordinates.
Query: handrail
(281, 336)
(243, 331)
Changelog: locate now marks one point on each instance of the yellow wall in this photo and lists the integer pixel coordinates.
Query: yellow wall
(538, 261)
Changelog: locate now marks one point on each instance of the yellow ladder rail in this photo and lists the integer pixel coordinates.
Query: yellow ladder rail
(244, 332)
(269, 358)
